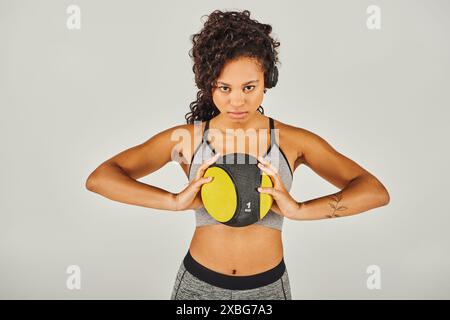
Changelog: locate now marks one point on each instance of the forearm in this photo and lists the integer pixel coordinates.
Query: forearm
(113, 183)
(361, 194)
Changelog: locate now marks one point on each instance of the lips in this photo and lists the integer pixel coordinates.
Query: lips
(240, 112)
(237, 115)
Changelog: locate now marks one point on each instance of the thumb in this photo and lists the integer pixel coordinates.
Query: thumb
(208, 179)
(204, 180)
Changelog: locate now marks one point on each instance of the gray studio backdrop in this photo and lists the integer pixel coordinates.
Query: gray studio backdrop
(71, 98)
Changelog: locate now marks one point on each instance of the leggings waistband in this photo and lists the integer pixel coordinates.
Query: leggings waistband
(233, 282)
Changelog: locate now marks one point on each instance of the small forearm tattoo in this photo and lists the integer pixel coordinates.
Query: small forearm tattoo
(335, 205)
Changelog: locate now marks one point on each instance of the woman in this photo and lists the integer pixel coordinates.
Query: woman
(234, 63)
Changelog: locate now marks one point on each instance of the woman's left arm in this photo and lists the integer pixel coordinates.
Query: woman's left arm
(359, 190)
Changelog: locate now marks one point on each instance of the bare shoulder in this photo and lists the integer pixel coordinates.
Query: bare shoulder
(300, 144)
(298, 138)
(193, 139)
(159, 149)
(290, 138)
(183, 139)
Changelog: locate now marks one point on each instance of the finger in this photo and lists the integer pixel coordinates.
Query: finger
(204, 180)
(197, 185)
(270, 191)
(262, 160)
(266, 169)
(206, 164)
(276, 180)
(267, 163)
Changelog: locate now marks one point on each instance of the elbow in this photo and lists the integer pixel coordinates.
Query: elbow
(384, 196)
(91, 182)
(385, 199)
(96, 180)
(379, 194)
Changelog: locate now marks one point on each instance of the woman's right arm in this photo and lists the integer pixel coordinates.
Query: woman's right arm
(115, 178)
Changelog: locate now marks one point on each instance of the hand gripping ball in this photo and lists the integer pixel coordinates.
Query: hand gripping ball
(232, 197)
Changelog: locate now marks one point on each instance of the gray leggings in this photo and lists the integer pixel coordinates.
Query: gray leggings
(207, 284)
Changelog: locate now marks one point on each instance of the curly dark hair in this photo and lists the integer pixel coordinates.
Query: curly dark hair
(226, 36)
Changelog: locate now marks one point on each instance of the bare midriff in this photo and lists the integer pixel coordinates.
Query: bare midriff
(237, 251)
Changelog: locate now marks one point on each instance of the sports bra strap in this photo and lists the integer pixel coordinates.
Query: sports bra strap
(204, 139)
(272, 132)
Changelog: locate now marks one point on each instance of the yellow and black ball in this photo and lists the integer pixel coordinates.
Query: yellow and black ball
(232, 197)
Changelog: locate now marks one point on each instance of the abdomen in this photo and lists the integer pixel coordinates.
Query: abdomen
(237, 251)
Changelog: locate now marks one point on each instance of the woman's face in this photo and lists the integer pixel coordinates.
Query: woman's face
(239, 90)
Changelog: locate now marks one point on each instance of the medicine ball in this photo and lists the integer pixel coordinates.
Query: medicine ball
(232, 197)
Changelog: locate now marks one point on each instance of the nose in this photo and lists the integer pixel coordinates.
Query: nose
(237, 99)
